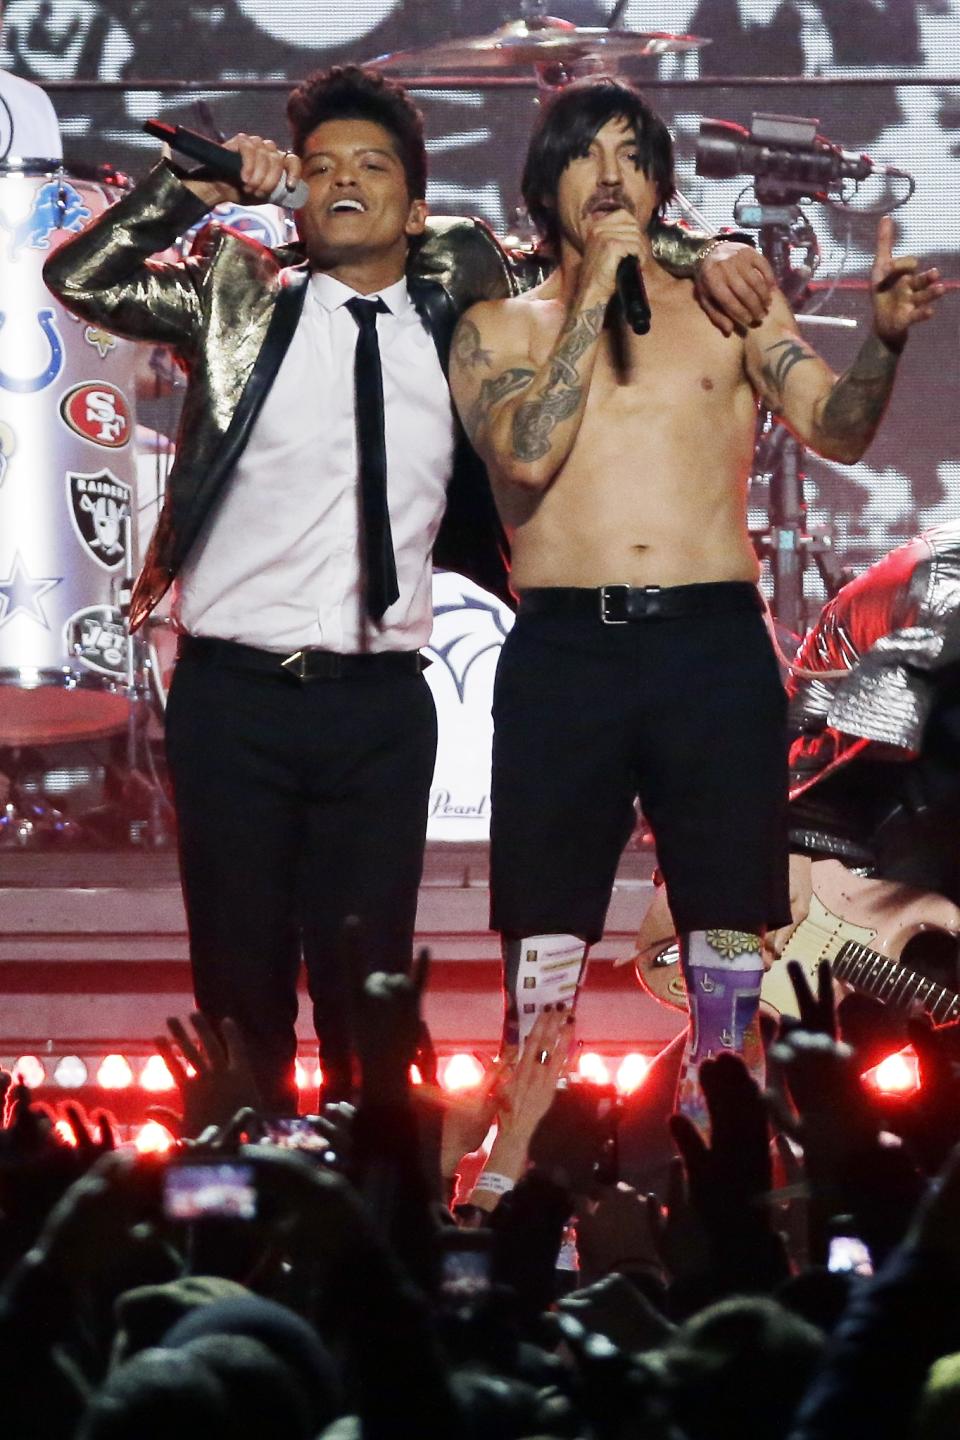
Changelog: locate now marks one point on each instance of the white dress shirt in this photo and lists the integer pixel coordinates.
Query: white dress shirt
(278, 564)
(28, 122)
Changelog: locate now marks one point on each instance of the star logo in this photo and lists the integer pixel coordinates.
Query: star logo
(23, 591)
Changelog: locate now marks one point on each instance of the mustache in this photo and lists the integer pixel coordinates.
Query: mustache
(615, 197)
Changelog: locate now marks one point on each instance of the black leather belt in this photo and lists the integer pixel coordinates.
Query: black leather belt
(619, 604)
(306, 664)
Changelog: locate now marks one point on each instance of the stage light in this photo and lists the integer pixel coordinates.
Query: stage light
(115, 1073)
(898, 1074)
(29, 1069)
(64, 1132)
(462, 1072)
(155, 1075)
(594, 1068)
(318, 1077)
(632, 1071)
(71, 1072)
(415, 1077)
(153, 1139)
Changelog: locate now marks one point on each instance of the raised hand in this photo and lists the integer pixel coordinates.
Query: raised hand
(903, 294)
(222, 1082)
(734, 284)
(817, 1012)
(264, 164)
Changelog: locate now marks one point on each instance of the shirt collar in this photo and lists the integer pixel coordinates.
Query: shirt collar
(332, 294)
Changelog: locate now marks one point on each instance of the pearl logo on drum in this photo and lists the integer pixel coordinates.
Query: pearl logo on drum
(98, 505)
(99, 413)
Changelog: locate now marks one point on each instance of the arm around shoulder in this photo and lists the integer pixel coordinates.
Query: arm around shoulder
(484, 378)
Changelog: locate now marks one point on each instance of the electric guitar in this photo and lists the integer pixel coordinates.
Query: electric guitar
(861, 926)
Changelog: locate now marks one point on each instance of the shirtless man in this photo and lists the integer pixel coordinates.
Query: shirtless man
(640, 663)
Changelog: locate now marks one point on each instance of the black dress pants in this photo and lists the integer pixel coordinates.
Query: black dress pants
(299, 803)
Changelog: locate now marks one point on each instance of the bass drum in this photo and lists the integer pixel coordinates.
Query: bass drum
(67, 479)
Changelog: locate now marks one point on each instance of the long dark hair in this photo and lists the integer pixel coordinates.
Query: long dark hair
(564, 131)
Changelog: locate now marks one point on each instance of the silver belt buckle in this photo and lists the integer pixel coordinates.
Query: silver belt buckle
(605, 593)
(295, 664)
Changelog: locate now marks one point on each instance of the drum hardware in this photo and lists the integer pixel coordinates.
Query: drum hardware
(788, 161)
(556, 50)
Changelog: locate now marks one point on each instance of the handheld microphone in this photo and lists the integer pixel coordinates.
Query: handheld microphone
(632, 294)
(222, 162)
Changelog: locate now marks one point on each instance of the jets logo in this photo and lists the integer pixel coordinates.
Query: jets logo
(97, 637)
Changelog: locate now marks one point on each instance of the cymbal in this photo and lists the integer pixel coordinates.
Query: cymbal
(538, 40)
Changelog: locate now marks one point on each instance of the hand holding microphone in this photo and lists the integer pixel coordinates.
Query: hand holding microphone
(254, 170)
(611, 265)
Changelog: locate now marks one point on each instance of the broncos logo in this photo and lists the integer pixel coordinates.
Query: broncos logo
(474, 627)
(56, 206)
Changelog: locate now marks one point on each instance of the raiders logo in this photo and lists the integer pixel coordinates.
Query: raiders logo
(98, 506)
(97, 637)
(99, 413)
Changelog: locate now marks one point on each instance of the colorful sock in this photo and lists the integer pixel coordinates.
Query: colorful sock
(539, 971)
(723, 971)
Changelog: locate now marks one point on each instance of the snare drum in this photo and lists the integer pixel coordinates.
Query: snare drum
(67, 478)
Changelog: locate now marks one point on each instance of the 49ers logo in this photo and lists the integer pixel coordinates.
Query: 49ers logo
(99, 413)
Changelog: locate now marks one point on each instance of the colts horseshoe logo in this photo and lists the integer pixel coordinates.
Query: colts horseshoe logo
(27, 385)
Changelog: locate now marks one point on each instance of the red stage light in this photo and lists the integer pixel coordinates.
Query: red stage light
(153, 1139)
(898, 1074)
(462, 1072)
(155, 1075)
(594, 1068)
(29, 1069)
(115, 1073)
(632, 1071)
(415, 1077)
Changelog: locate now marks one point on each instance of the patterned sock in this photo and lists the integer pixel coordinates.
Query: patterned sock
(539, 971)
(723, 971)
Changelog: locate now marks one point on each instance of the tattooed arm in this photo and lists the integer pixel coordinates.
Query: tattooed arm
(523, 418)
(838, 417)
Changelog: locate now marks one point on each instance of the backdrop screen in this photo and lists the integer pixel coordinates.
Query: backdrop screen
(477, 138)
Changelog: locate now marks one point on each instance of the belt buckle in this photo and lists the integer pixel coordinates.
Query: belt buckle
(605, 593)
(295, 664)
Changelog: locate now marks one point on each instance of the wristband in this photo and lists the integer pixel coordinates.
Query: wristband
(494, 1184)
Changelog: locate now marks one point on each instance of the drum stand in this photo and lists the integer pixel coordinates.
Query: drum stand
(137, 812)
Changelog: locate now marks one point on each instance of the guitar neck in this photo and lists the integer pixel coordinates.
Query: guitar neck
(892, 983)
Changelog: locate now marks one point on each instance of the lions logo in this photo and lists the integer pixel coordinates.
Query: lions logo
(99, 504)
(56, 206)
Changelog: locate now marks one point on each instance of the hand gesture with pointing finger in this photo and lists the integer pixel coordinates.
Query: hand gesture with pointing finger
(903, 294)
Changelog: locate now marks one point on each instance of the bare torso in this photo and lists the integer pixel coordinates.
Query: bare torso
(654, 489)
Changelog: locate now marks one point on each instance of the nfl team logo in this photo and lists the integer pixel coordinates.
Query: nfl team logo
(98, 413)
(99, 505)
(97, 638)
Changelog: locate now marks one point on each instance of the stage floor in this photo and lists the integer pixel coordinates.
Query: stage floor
(93, 954)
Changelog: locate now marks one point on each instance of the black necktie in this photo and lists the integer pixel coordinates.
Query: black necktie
(381, 567)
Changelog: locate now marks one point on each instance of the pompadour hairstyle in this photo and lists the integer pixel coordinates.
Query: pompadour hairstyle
(348, 92)
(566, 125)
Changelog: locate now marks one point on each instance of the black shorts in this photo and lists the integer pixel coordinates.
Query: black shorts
(686, 711)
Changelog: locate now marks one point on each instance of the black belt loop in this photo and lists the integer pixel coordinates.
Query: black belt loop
(623, 604)
(303, 665)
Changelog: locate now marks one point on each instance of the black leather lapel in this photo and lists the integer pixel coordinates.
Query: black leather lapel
(438, 313)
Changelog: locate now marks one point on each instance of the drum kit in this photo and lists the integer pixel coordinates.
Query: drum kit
(76, 507)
